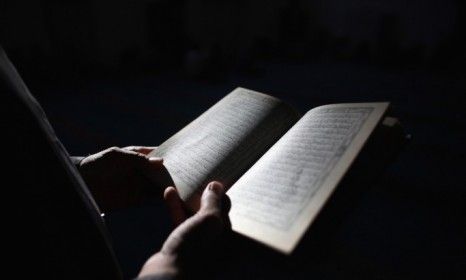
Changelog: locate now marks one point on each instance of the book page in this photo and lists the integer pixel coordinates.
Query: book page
(224, 141)
(275, 201)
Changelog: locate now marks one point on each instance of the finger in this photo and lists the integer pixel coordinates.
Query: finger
(155, 159)
(141, 160)
(125, 153)
(212, 197)
(131, 153)
(198, 232)
(156, 162)
(144, 150)
(124, 159)
(175, 205)
(140, 149)
(135, 159)
(154, 170)
(151, 168)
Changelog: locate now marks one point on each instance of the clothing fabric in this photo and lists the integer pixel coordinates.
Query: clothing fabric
(55, 226)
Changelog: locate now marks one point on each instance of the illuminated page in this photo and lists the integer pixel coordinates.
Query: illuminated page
(224, 141)
(276, 200)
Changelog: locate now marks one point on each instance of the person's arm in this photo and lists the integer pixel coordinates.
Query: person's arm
(61, 228)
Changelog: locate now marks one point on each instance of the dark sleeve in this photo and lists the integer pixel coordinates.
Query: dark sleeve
(76, 160)
(56, 228)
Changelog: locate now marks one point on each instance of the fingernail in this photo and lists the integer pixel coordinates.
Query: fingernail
(155, 159)
(216, 187)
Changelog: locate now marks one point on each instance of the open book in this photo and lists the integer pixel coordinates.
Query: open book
(279, 166)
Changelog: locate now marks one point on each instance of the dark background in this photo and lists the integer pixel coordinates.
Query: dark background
(118, 73)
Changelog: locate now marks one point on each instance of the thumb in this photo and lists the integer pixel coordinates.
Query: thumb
(211, 200)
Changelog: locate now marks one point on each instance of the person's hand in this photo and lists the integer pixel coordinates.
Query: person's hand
(121, 177)
(190, 248)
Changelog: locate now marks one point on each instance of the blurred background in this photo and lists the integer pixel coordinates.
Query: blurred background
(118, 73)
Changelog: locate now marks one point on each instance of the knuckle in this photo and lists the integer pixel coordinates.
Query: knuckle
(112, 152)
(113, 149)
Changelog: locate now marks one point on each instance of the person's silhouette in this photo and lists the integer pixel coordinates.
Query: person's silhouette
(56, 224)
